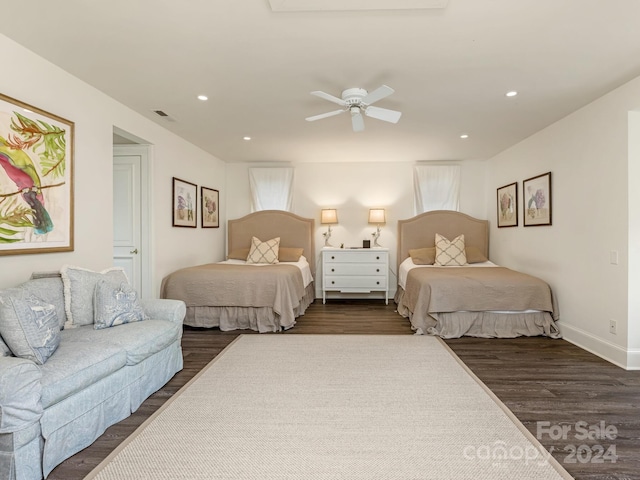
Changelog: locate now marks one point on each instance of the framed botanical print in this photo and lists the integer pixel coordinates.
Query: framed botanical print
(185, 198)
(536, 193)
(508, 205)
(209, 207)
(36, 180)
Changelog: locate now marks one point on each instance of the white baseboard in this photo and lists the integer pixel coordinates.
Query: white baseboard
(627, 359)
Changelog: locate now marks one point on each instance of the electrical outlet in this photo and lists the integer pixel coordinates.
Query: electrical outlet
(613, 326)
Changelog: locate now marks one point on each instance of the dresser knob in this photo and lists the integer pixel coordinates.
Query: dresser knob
(333, 269)
(332, 282)
(377, 269)
(377, 258)
(377, 283)
(332, 257)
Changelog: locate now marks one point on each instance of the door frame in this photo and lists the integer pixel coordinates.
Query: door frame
(146, 219)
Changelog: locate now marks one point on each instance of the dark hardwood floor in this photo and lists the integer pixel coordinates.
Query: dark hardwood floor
(550, 385)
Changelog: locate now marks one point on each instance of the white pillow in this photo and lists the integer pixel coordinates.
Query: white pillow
(264, 252)
(450, 253)
(79, 285)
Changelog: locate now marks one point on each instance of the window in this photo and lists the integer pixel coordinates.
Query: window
(436, 187)
(271, 188)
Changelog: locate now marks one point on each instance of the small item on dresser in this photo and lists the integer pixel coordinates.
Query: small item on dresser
(366, 243)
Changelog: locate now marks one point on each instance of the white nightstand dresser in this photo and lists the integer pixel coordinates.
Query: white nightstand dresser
(355, 270)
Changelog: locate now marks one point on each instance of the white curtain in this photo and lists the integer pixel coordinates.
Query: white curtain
(271, 188)
(436, 187)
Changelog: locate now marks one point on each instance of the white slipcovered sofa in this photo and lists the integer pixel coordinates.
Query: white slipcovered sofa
(78, 353)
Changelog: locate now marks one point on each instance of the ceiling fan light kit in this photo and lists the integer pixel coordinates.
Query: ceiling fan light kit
(358, 101)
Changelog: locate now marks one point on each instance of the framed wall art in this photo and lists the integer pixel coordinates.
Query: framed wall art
(536, 193)
(209, 207)
(185, 198)
(36, 180)
(508, 205)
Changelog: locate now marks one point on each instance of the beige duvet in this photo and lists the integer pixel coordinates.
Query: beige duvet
(266, 288)
(438, 299)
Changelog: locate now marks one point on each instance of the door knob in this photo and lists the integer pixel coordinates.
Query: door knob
(135, 252)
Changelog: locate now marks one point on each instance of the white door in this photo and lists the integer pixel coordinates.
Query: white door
(127, 216)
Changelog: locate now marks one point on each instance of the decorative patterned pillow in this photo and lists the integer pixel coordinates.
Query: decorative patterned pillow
(29, 326)
(115, 304)
(264, 252)
(423, 256)
(474, 255)
(289, 254)
(79, 285)
(450, 253)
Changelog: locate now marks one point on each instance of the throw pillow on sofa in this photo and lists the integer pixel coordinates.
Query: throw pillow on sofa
(79, 286)
(28, 325)
(115, 304)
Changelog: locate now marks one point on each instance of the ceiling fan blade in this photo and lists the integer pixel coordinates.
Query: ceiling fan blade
(331, 98)
(357, 121)
(378, 94)
(324, 115)
(385, 114)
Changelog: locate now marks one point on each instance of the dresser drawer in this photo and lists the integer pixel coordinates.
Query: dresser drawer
(355, 257)
(347, 282)
(355, 269)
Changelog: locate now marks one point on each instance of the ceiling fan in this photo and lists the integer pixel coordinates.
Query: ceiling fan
(358, 101)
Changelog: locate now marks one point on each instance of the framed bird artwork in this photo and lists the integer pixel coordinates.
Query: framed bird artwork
(36, 180)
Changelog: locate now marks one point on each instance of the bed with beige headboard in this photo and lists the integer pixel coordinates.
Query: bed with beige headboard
(239, 294)
(444, 292)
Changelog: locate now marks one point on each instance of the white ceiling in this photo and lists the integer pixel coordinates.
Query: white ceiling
(450, 67)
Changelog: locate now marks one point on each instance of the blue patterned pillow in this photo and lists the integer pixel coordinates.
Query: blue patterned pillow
(29, 326)
(114, 304)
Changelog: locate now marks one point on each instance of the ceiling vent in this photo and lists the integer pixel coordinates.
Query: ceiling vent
(164, 115)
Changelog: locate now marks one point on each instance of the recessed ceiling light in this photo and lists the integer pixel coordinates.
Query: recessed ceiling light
(464, 135)
(512, 93)
(204, 98)
(247, 138)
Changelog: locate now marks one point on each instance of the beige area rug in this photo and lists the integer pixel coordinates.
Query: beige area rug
(332, 407)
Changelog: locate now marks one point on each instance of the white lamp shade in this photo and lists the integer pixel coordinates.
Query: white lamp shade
(328, 216)
(376, 215)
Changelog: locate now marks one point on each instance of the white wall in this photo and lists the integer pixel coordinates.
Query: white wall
(44, 85)
(587, 153)
(352, 188)
(633, 333)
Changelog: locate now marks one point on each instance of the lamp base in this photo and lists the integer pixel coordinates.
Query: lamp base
(375, 236)
(327, 236)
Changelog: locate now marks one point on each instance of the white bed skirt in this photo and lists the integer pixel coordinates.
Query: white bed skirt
(481, 324)
(260, 319)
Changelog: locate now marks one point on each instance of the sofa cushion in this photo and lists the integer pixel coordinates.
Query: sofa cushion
(140, 339)
(115, 304)
(28, 325)
(79, 285)
(76, 365)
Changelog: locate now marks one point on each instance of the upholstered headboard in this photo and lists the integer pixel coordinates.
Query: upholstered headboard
(420, 231)
(293, 230)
